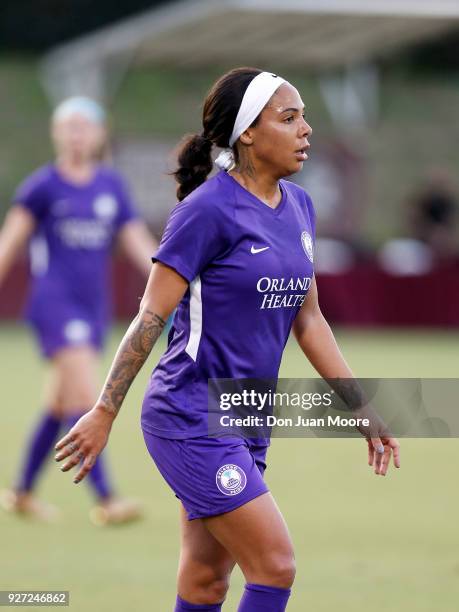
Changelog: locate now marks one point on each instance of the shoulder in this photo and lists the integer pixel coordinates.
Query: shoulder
(208, 199)
(201, 213)
(112, 182)
(300, 197)
(35, 188)
(296, 192)
(38, 179)
(302, 202)
(110, 174)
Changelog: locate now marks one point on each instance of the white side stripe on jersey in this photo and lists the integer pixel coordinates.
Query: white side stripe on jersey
(39, 256)
(195, 318)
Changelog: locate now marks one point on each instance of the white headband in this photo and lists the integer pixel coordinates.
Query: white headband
(256, 96)
(80, 105)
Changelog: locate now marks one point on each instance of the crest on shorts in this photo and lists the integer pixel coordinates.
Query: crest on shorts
(308, 246)
(231, 479)
(77, 331)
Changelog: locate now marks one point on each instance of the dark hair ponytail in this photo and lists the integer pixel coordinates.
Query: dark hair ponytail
(219, 114)
(195, 163)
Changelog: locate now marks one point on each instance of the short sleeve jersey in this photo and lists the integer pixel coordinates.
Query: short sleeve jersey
(249, 268)
(76, 227)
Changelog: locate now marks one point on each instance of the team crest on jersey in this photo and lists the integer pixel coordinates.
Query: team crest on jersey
(308, 247)
(231, 479)
(105, 206)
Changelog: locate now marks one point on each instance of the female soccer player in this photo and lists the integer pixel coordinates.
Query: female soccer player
(229, 238)
(75, 209)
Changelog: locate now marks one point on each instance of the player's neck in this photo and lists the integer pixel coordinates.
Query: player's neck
(263, 186)
(76, 170)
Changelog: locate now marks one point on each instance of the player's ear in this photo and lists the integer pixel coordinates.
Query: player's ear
(246, 137)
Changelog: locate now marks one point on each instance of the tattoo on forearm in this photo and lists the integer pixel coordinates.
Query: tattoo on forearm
(349, 390)
(134, 349)
(356, 400)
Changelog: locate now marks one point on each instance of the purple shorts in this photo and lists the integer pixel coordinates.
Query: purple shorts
(59, 331)
(210, 475)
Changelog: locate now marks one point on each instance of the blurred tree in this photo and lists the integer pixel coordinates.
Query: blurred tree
(438, 55)
(433, 56)
(36, 25)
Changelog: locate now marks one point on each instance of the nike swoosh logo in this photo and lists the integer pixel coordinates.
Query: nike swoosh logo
(254, 251)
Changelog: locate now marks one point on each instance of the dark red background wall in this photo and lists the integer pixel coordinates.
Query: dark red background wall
(365, 296)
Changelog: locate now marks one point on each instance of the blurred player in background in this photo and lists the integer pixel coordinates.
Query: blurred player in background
(433, 211)
(237, 258)
(74, 210)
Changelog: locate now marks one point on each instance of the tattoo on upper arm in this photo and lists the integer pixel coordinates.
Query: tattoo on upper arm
(134, 349)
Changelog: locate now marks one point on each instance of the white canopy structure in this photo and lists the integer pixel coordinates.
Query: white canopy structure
(309, 34)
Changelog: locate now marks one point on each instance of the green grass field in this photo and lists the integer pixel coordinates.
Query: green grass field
(362, 542)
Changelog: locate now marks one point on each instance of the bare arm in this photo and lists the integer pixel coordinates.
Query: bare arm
(138, 244)
(165, 289)
(318, 343)
(17, 229)
(316, 339)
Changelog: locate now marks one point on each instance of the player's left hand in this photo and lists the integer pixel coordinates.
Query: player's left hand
(379, 453)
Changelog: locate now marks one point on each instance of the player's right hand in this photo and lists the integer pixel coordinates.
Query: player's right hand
(85, 441)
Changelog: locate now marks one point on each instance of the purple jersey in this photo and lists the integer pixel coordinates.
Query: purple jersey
(249, 267)
(70, 251)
